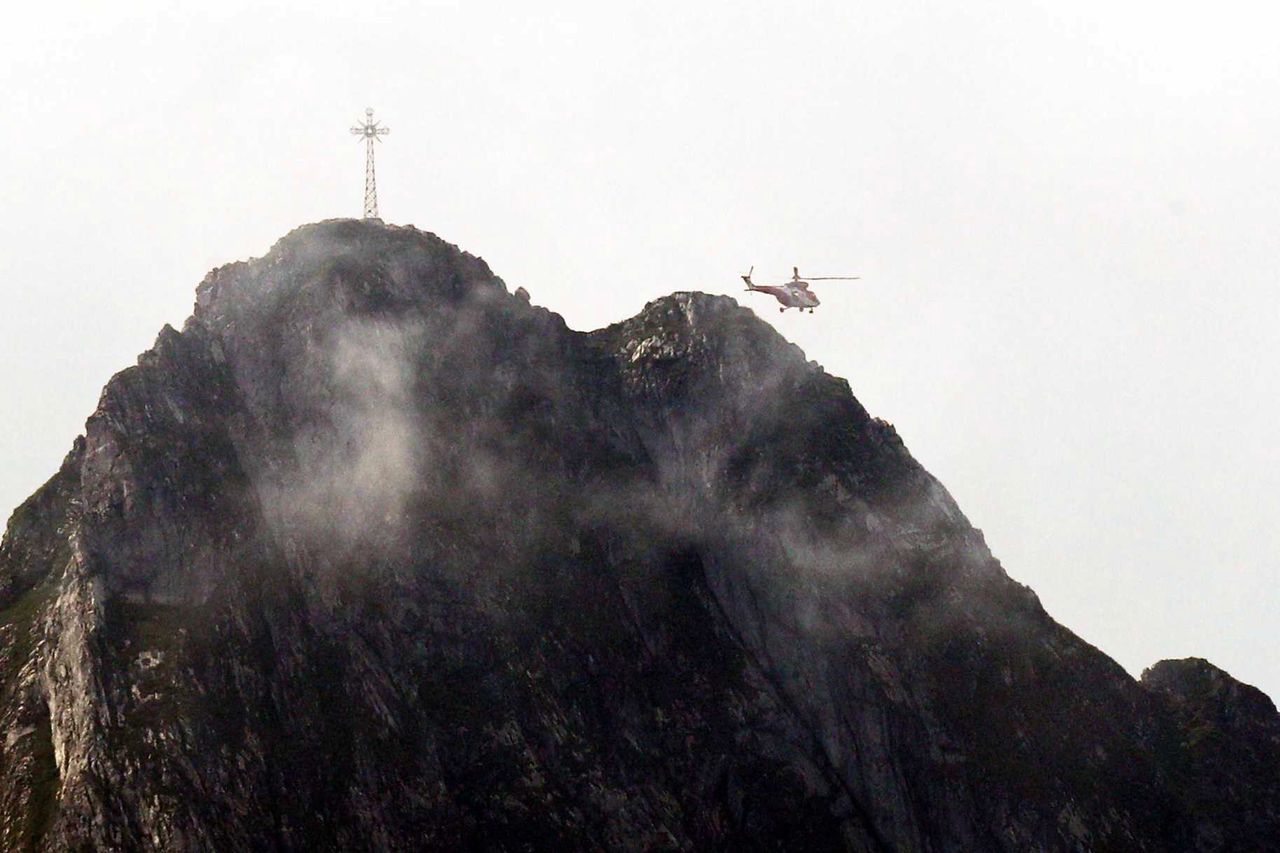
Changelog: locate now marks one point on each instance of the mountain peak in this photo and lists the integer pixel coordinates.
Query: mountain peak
(376, 555)
(347, 265)
(1212, 694)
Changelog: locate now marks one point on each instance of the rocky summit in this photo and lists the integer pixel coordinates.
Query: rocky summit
(374, 554)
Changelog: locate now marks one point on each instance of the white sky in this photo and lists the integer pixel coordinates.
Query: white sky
(1067, 216)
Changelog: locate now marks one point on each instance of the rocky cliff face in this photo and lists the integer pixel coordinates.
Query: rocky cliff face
(373, 555)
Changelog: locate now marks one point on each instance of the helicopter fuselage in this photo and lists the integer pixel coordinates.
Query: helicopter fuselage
(790, 295)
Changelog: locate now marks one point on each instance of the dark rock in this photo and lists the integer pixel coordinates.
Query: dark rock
(374, 555)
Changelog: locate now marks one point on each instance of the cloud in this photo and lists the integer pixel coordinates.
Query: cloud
(359, 458)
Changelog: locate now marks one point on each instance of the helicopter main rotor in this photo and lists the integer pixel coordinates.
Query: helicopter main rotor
(795, 276)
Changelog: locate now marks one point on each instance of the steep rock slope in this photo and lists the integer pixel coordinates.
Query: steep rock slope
(374, 555)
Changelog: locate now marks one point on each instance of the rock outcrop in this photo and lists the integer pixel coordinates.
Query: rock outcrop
(375, 555)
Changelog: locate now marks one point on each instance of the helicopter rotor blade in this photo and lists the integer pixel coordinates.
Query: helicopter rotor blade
(834, 278)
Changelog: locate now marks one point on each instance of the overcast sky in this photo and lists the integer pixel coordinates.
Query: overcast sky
(1066, 216)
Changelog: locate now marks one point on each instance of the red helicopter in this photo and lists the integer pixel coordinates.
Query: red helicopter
(795, 293)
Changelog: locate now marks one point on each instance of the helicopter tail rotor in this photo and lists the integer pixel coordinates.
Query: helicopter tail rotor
(747, 278)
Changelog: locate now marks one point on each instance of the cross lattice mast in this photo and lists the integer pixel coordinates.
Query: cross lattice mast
(370, 130)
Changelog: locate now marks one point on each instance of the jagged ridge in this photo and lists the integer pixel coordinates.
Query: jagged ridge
(374, 555)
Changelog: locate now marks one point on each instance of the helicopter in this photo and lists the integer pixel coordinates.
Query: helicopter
(795, 293)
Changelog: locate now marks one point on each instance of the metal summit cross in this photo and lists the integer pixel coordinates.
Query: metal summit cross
(370, 131)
